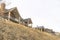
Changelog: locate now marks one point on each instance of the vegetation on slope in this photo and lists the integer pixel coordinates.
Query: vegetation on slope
(13, 31)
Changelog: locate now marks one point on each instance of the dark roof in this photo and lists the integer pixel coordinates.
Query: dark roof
(28, 19)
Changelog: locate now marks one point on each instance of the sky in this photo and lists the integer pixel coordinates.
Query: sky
(42, 12)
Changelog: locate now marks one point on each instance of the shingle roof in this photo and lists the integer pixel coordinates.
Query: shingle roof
(14, 10)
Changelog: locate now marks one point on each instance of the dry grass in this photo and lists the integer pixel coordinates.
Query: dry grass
(13, 31)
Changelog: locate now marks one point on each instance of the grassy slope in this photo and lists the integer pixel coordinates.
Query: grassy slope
(13, 31)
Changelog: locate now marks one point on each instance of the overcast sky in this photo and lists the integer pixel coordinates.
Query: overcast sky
(42, 12)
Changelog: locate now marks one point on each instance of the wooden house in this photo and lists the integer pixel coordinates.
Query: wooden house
(10, 14)
(13, 15)
(49, 30)
(27, 22)
(41, 28)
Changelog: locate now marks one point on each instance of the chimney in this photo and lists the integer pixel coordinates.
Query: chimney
(2, 6)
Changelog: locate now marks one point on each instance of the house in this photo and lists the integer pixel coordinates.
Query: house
(27, 22)
(13, 15)
(41, 28)
(10, 14)
(49, 31)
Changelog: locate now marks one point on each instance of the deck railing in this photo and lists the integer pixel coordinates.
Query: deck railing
(11, 18)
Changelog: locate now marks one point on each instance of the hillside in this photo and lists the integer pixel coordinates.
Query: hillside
(13, 31)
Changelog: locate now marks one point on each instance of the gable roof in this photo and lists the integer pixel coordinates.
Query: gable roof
(15, 12)
(28, 19)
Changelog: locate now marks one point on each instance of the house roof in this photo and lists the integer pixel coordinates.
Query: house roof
(15, 12)
(28, 20)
